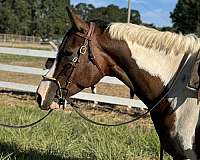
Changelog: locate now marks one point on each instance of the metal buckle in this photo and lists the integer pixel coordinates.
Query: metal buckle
(61, 101)
(48, 78)
(75, 59)
(83, 49)
(67, 84)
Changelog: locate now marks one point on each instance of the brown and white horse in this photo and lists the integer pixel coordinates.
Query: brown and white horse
(144, 59)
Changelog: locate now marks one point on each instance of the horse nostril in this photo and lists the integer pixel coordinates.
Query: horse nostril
(39, 99)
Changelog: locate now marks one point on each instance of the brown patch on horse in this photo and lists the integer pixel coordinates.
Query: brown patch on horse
(152, 86)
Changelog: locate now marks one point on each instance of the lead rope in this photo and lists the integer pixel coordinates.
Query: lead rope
(26, 125)
(36, 122)
(161, 152)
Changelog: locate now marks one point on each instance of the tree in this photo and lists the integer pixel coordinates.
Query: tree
(111, 13)
(48, 18)
(14, 16)
(84, 10)
(186, 16)
(45, 18)
(51, 18)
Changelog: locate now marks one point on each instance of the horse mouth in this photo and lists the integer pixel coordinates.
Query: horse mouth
(54, 105)
(47, 104)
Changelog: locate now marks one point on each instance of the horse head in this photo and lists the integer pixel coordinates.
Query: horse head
(80, 63)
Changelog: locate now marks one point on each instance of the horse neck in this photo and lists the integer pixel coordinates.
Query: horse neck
(144, 71)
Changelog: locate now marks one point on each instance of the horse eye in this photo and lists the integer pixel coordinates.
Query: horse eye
(63, 54)
(66, 53)
(49, 63)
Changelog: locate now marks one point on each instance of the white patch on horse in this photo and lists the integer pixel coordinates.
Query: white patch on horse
(157, 64)
(186, 110)
(187, 116)
(52, 69)
(45, 85)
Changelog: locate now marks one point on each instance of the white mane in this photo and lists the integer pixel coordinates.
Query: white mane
(158, 53)
(153, 39)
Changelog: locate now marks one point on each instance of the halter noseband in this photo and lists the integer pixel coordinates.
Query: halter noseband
(85, 48)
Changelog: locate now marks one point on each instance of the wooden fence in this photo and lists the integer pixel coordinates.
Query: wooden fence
(19, 38)
(38, 71)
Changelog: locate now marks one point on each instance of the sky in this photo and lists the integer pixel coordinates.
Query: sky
(151, 11)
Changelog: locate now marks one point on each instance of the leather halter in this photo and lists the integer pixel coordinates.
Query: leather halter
(85, 48)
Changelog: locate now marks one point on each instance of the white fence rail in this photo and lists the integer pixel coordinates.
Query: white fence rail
(38, 71)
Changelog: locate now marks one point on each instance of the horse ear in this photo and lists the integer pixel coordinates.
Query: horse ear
(76, 21)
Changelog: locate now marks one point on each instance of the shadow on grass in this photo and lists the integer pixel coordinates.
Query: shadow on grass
(15, 153)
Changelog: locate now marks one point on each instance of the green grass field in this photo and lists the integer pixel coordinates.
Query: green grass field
(68, 137)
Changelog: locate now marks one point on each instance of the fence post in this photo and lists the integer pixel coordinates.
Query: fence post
(129, 11)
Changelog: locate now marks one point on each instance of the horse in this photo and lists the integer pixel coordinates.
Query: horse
(148, 61)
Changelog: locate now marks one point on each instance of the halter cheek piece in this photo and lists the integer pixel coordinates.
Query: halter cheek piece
(85, 48)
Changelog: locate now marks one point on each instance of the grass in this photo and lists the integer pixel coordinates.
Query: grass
(68, 137)
(64, 135)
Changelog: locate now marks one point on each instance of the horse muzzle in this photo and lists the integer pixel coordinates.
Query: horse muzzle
(46, 105)
(46, 94)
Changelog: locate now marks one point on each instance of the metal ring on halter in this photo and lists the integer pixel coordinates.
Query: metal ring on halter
(83, 49)
(75, 59)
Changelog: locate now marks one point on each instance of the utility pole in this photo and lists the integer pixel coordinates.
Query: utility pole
(129, 11)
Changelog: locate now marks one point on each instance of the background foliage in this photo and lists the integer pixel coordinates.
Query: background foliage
(44, 18)
(186, 16)
(48, 18)
(111, 13)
